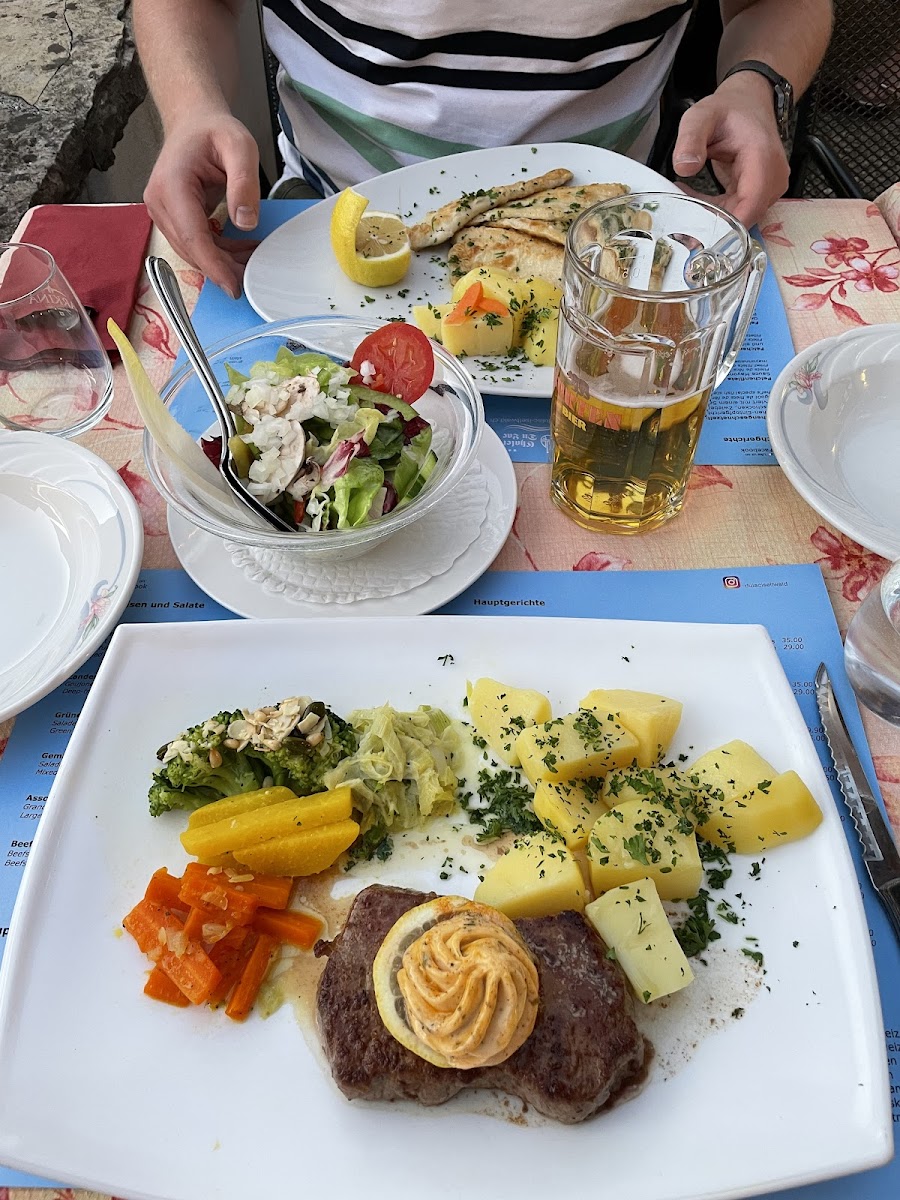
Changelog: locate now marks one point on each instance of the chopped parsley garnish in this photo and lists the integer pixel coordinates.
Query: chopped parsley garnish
(699, 929)
(507, 806)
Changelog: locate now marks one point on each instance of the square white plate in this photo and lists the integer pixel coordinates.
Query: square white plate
(102, 1088)
(293, 273)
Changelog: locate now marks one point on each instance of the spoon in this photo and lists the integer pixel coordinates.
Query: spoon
(162, 277)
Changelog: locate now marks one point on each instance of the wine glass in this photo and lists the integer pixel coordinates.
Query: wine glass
(872, 648)
(55, 375)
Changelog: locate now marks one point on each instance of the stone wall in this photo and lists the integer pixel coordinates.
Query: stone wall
(69, 81)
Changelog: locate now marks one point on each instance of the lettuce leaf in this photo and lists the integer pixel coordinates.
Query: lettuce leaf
(355, 490)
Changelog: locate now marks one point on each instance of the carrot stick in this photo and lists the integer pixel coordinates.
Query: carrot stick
(193, 925)
(487, 305)
(272, 891)
(159, 932)
(295, 928)
(219, 899)
(160, 987)
(163, 889)
(244, 995)
(230, 956)
(466, 306)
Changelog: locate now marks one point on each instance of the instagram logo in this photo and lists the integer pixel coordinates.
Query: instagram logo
(731, 581)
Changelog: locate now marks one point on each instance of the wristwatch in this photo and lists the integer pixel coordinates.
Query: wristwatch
(782, 90)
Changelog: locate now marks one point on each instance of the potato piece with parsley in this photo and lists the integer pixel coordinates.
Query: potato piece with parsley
(652, 719)
(481, 333)
(538, 877)
(675, 789)
(500, 713)
(645, 840)
(499, 285)
(569, 809)
(428, 318)
(580, 745)
(633, 923)
(753, 807)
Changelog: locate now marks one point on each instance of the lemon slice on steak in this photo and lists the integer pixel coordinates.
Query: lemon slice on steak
(371, 248)
(455, 984)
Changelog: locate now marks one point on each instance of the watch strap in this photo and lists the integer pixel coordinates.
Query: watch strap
(782, 90)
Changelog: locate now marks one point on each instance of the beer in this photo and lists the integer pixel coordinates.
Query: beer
(619, 465)
(658, 292)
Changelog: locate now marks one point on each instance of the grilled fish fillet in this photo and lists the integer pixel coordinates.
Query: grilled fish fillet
(550, 231)
(440, 225)
(515, 252)
(564, 203)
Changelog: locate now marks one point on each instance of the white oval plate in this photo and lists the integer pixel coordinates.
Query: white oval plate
(834, 426)
(210, 565)
(293, 273)
(70, 550)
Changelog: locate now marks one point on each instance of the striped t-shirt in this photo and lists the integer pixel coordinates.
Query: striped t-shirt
(370, 85)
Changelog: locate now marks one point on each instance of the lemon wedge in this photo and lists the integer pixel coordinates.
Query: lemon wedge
(371, 248)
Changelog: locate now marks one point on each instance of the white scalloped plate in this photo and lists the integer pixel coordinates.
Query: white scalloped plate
(70, 549)
(834, 424)
(213, 567)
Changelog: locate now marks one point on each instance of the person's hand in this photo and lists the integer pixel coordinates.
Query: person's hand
(735, 129)
(208, 155)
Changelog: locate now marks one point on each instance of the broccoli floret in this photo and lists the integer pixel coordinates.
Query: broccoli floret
(201, 769)
(301, 767)
(198, 768)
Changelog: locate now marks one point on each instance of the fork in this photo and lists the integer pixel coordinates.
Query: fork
(164, 283)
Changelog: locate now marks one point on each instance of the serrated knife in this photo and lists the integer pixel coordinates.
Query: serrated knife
(879, 851)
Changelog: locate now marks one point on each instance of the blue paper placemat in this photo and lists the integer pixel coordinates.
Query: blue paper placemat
(791, 602)
(733, 434)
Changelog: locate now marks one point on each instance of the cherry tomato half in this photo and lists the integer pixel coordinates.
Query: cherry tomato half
(402, 359)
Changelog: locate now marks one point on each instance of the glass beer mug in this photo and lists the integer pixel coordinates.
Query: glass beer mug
(658, 293)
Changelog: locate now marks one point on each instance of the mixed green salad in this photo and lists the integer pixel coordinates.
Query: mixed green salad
(320, 446)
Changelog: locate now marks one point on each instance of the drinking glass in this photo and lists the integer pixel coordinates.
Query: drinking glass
(658, 293)
(872, 648)
(55, 375)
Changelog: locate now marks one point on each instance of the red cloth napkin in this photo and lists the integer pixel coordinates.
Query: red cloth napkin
(100, 249)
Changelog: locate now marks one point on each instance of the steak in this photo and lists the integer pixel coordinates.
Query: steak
(583, 1053)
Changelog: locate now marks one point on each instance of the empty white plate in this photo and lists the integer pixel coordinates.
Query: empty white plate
(70, 550)
(834, 425)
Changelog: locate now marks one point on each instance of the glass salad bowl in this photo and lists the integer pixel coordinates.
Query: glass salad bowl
(451, 405)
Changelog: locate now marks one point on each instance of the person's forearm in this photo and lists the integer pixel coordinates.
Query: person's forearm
(790, 35)
(189, 53)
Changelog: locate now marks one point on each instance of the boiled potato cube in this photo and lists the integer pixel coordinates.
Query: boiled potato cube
(652, 719)
(428, 318)
(732, 768)
(538, 877)
(497, 284)
(671, 787)
(234, 806)
(273, 821)
(569, 809)
(480, 333)
(643, 840)
(580, 745)
(633, 923)
(775, 811)
(500, 713)
(306, 852)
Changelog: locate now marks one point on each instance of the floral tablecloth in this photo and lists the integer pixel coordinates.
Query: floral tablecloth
(838, 266)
